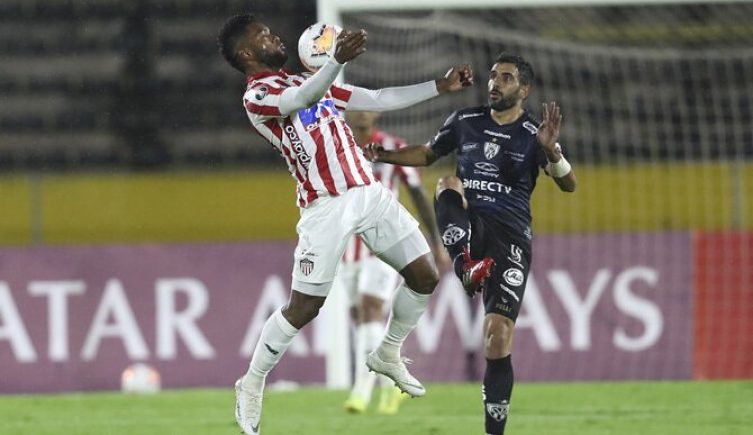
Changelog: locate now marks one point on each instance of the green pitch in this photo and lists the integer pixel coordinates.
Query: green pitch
(645, 408)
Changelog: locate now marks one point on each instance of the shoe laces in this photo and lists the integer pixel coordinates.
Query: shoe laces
(252, 405)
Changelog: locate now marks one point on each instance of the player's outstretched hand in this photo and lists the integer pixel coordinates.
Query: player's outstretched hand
(459, 77)
(373, 151)
(549, 130)
(350, 45)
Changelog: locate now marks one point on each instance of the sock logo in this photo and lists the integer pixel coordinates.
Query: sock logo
(452, 234)
(272, 351)
(498, 411)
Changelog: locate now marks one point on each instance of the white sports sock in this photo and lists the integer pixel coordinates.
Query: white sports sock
(274, 340)
(368, 336)
(407, 308)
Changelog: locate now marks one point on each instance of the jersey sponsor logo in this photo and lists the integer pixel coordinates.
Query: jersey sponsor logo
(297, 145)
(513, 276)
(497, 134)
(516, 157)
(470, 115)
(468, 147)
(528, 125)
(321, 113)
(498, 411)
(491, 149)
(489, 186)
(452, 234)
(516, 255)
(307, 266)
(486, 169)
(486, 198)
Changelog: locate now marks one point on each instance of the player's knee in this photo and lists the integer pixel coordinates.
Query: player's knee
(300, 312)
(498, 338)
(449, 182)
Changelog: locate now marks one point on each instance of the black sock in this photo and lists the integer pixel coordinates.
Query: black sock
(496, 391)
(453, 223)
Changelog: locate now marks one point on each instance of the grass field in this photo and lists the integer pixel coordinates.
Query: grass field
(645, 408)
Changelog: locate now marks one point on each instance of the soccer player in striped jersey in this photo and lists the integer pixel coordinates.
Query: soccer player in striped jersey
(484, 211)
(369, 281)
(300, 115)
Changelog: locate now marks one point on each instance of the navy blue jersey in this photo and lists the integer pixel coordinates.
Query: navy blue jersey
(498, 164)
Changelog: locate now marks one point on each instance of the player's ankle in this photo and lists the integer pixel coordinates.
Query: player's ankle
(253, 383)
(388, 352)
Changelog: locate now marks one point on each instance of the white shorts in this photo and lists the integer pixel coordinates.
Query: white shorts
(325, 227)
(368, 276)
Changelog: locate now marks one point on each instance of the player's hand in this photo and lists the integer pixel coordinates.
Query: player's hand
(350, 45)
(373, 152)
(459, 77)
(549, 130)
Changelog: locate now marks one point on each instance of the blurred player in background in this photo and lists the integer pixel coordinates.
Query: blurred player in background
(300, 116)
(484, 211)
(369, 281)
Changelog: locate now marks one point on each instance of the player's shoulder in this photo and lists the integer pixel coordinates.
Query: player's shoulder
(529, 122)
(470, 113)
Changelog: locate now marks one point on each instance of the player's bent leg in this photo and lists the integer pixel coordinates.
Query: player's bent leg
(410, 301)
(498, 378)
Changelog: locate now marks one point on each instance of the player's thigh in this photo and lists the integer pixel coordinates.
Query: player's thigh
(377, 279)
(504, 289)
(323, 231)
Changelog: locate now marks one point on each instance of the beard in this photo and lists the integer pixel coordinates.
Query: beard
(504, 103)
(275, 60)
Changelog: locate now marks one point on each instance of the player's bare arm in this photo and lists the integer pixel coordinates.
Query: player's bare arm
(456, 79)
(411, 155)
(547, 136)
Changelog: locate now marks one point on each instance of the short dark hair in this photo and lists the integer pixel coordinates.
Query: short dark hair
(230, 33)
(525, 70)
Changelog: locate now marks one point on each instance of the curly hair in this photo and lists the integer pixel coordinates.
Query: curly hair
(230, 33)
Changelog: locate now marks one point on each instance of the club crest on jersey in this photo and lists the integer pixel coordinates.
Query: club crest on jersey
(307, 266)
(491, 149)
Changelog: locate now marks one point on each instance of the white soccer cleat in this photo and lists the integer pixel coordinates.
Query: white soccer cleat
(397, 372)
(247, 409)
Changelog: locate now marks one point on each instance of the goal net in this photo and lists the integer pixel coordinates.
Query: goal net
(646, 271)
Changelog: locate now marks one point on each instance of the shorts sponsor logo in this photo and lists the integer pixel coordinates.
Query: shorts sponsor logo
(516, 255)
(513, 276)
(307, 266)
(491, 149)
(498, 411)
(507, 290)
(452, 234)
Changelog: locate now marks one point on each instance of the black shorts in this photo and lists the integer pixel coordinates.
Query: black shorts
(503, 290)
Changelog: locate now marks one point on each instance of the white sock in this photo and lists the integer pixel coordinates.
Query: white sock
(407, 308)
(274, 340)
(368, 336)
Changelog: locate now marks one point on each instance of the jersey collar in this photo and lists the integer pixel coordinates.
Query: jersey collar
(284, 73)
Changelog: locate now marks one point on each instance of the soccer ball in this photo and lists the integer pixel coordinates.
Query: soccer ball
(140, 378)
(317, 44)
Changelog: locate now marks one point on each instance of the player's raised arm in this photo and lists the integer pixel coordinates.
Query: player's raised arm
(411, 155)
(349, 46)
(393, 98)
(549, 130)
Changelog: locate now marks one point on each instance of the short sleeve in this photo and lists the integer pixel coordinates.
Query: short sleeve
(445, 141)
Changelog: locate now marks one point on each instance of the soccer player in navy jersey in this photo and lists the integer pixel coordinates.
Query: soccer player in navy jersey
(300, 115)
(483, 212)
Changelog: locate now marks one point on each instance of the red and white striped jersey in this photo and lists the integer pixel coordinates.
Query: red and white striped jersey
(390, 176)
(316, 143)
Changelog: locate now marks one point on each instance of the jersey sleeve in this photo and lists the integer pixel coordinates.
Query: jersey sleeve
(445, 141)
(341, 94)
(262, 101)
